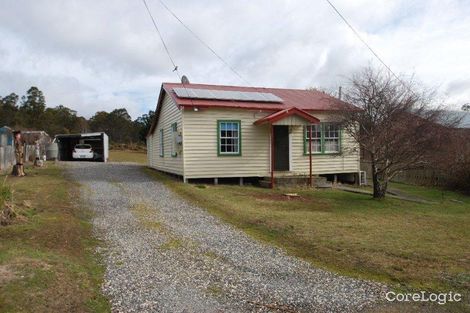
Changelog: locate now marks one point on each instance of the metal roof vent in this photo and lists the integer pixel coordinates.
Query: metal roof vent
(184, 80)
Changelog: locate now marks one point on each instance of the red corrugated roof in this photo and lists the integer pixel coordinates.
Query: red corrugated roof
(299, 98)
(308, 100)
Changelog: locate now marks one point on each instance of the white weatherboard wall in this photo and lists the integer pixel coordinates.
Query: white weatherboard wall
(200, 147)
(200, 144)
(198, 157)
(346, 162)
(169, 114)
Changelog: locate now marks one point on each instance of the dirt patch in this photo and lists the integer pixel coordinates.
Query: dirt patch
(31, 263)
(280, 197)
(7, 274)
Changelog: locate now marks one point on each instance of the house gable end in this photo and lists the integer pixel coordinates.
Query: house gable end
(158, 109)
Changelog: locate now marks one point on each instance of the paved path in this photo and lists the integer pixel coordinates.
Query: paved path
(163, 254)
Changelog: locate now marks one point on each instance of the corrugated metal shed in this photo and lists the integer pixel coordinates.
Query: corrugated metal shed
(7, 157)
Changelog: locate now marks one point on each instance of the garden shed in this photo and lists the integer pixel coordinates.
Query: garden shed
(7, 153)
(30, 138)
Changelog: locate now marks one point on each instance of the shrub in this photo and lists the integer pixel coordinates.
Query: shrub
(5, 194)
(7, 214)
(460, 180)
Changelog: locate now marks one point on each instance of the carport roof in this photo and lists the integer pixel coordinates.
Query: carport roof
(79, 135)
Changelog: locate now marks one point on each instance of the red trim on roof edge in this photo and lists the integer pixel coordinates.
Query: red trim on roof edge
(304, 100)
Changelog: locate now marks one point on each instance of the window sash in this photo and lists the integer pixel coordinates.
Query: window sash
(229, 138)
(331, 137)
(316, 138)
(326, 138)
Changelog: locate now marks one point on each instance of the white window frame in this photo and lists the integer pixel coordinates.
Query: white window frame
(221, 138)
(317, 146)
(331, 135)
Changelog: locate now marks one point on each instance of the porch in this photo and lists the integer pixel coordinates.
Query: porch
(281, 126)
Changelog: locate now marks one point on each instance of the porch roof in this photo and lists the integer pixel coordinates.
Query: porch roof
(280, 115)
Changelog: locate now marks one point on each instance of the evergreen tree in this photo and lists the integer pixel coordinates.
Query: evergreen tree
(32, 109)
(8, 110)
(143, 124)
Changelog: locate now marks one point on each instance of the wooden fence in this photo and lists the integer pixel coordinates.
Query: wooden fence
(424, 176)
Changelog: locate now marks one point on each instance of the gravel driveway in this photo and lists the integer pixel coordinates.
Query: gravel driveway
(163, 254)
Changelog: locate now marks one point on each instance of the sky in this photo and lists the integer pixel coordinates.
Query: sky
(100, 55)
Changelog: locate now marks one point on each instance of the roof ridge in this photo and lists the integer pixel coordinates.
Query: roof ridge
(238, 86)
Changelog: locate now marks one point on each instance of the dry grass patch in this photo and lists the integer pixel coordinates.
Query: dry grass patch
(147, 216)
(50, 248)
(128, 156)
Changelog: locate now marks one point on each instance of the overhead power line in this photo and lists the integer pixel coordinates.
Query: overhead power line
(204, 43)
(175, 67)
(363, 41)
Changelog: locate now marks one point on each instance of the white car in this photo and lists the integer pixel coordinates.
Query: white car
(82, 151)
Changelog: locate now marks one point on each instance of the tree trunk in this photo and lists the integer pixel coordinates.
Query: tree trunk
(380, 185)
(380, 188)
(15, 171)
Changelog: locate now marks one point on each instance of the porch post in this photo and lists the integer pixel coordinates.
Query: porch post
(272, 156)
(310, 182)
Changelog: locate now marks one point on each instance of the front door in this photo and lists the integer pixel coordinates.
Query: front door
(281, 148)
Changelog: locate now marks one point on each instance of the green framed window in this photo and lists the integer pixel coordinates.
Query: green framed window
(326, 138)
(160, 143)
(229, 138)
(316, 138)
(174, 136)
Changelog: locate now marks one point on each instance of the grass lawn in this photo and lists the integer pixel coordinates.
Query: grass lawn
(128, 156)
(47, 261)
(410, 246)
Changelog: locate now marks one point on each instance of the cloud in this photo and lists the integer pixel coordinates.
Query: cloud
(101, 55)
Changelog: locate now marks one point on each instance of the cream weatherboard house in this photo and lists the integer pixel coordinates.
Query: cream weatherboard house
(211, 131)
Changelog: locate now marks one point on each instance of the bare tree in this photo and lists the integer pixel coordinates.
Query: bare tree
(395, 125)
